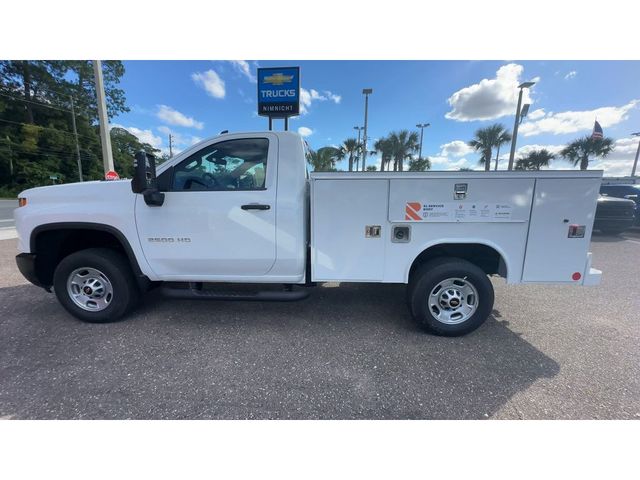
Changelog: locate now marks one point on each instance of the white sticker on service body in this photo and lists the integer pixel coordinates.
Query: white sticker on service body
(458, 212)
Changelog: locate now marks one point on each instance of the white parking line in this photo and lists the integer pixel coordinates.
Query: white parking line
(632, 241)
(6, 220)
(8, 233)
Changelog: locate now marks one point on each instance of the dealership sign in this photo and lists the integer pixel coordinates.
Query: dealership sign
(279, 92)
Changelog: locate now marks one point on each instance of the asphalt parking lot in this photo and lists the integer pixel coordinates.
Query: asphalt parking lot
(348, 352)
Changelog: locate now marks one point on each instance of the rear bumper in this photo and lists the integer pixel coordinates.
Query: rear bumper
(27, 265)
(592, 276)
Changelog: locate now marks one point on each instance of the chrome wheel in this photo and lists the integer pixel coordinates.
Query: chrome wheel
(90, 289)
(453, 301)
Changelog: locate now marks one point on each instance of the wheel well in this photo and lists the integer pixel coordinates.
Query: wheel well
(52, 245)
(484, 256)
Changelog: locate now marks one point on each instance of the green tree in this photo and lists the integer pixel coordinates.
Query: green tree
(382, 146)
(350, 148)
(485, 139)
(465, 169)
(124, 146)
(535, 160)
(372, 168)
(419, 164)
(36, 138)
(503, 137)
(402, 145)
(324, 159)
(579, 151)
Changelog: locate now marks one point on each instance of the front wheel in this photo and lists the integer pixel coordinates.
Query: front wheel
(95, 285)
(450, 296)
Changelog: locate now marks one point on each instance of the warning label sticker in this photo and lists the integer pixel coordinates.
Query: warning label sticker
(458, 212)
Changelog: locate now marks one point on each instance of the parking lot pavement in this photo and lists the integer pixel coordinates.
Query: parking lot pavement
(350, 351)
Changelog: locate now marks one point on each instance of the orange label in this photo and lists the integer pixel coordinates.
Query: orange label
(412, 211)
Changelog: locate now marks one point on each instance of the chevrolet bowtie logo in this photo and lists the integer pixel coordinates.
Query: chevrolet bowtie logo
(278, 79)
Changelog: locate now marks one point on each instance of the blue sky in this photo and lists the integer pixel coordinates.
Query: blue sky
(197, 99)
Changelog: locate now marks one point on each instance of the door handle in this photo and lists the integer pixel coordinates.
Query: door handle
(255, 206)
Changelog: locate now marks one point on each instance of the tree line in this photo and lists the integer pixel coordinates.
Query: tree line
(37, 144)
(398, 147)
(395, 149)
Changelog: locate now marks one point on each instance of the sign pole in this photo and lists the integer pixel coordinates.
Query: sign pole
(286, 124)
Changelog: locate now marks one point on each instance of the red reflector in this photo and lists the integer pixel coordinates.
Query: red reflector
(111, 175)
(576, 276)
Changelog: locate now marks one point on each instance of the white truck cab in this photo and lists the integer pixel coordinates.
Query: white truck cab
(241, 208)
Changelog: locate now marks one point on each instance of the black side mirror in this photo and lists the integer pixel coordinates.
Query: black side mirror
(144, 179)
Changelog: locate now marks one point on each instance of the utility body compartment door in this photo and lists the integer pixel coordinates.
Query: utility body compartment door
(342, 209)
(551, 255)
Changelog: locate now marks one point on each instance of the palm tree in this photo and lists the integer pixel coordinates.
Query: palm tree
(535, 159)
(403, 144)
(579, 151)
(350, 147)
(504, 137)
(324, 159)
(419, 164)
(485, 139)
(383, 147)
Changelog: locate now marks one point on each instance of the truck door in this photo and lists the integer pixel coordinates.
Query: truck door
(219, 215)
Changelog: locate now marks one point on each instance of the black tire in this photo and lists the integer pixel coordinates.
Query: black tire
(429, 275)
(115, 267)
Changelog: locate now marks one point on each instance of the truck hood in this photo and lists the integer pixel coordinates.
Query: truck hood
(77, 192)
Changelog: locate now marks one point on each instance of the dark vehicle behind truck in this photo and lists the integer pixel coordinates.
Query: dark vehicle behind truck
(614, 215)
(629, 192)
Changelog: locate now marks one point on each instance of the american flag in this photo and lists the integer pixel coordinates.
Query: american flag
(597, 131)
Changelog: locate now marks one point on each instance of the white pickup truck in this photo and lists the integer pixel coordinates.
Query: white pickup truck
(242, 208)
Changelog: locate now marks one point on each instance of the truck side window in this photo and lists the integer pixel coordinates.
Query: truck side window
(229, 165)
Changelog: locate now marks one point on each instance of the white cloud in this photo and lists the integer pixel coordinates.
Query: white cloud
(490, 98)
(439, 162)
(178, 139)
(174, 117)
(211, 82)
(570, 75)
(145, 136)
(536, 114)
(456, 148)
(570, 122)
(620, 161)
(244, 68)
(305, 131)
(307, 97)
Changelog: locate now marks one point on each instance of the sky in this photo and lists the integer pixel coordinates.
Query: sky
(194, 100)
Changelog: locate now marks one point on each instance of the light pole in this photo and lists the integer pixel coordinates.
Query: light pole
(359, 146)
(422, 126)
(522, 86)
(366, 92)
(635, 162)
(107, 156)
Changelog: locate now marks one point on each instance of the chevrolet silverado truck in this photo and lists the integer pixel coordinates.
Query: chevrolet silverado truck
(242, 208)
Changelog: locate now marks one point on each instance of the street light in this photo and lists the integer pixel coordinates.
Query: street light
(635, 162)
(366, 92)
(358, 161)
(522, 86)
(422, 126)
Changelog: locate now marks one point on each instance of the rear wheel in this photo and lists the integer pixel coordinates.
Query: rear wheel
(450, 296)
(95, 285)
